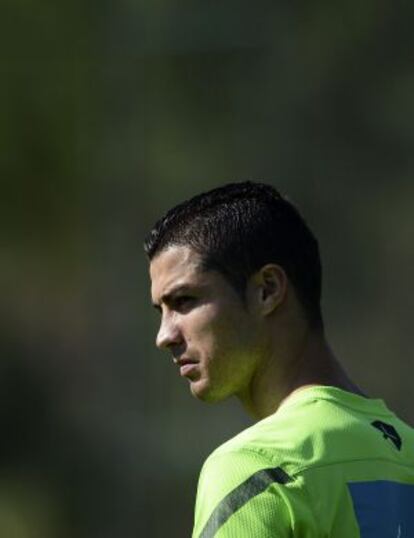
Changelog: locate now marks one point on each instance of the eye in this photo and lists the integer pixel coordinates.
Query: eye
(184, 303)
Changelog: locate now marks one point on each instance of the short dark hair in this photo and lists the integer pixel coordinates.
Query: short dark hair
(240, 227)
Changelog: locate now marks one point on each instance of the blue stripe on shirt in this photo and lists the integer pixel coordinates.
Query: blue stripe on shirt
(383, 509)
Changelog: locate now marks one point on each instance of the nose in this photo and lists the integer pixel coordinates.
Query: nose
(168, 334)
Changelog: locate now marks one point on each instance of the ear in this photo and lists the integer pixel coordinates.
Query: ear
(270, 285)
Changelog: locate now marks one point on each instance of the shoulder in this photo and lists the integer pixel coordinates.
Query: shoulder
(289, 471)
(241, 492)
(292, 438)
(237, 492)
(232, 464)
(244, 485)
(321, 427)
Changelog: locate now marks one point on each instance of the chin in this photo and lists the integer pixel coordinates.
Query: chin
(202, 390)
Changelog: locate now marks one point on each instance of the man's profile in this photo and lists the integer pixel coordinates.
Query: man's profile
(236, 276)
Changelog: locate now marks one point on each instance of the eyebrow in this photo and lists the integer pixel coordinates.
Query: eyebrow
(169, 296)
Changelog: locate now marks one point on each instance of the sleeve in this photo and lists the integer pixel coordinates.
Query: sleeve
(241, 495)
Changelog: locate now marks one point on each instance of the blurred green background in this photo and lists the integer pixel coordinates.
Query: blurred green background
(110, 112)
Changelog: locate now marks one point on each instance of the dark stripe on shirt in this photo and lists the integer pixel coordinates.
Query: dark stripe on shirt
(237, 498)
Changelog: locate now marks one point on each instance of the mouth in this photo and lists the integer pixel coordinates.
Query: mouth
(187, 366)
(183, 361)
(188, 370)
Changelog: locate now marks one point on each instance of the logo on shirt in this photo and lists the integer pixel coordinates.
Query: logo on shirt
(389, 432)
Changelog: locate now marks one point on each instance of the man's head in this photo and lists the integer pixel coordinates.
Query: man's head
(239, 228)
(222, 264)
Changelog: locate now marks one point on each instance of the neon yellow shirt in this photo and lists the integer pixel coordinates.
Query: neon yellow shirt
(328, 463)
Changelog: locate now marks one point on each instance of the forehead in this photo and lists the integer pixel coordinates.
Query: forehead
(175, 266)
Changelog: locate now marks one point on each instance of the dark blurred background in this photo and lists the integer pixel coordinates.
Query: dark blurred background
(110, 112)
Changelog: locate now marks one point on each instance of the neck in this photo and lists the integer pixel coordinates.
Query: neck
(305, 361)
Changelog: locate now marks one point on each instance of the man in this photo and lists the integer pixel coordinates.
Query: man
(236, 277)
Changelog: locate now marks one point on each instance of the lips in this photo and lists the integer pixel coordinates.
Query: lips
(183, 361)
(188, 369)
(187, 366)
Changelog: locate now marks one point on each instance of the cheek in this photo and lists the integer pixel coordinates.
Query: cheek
(198, 326)
(225, 331)
(206, 329)
(215, 330)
